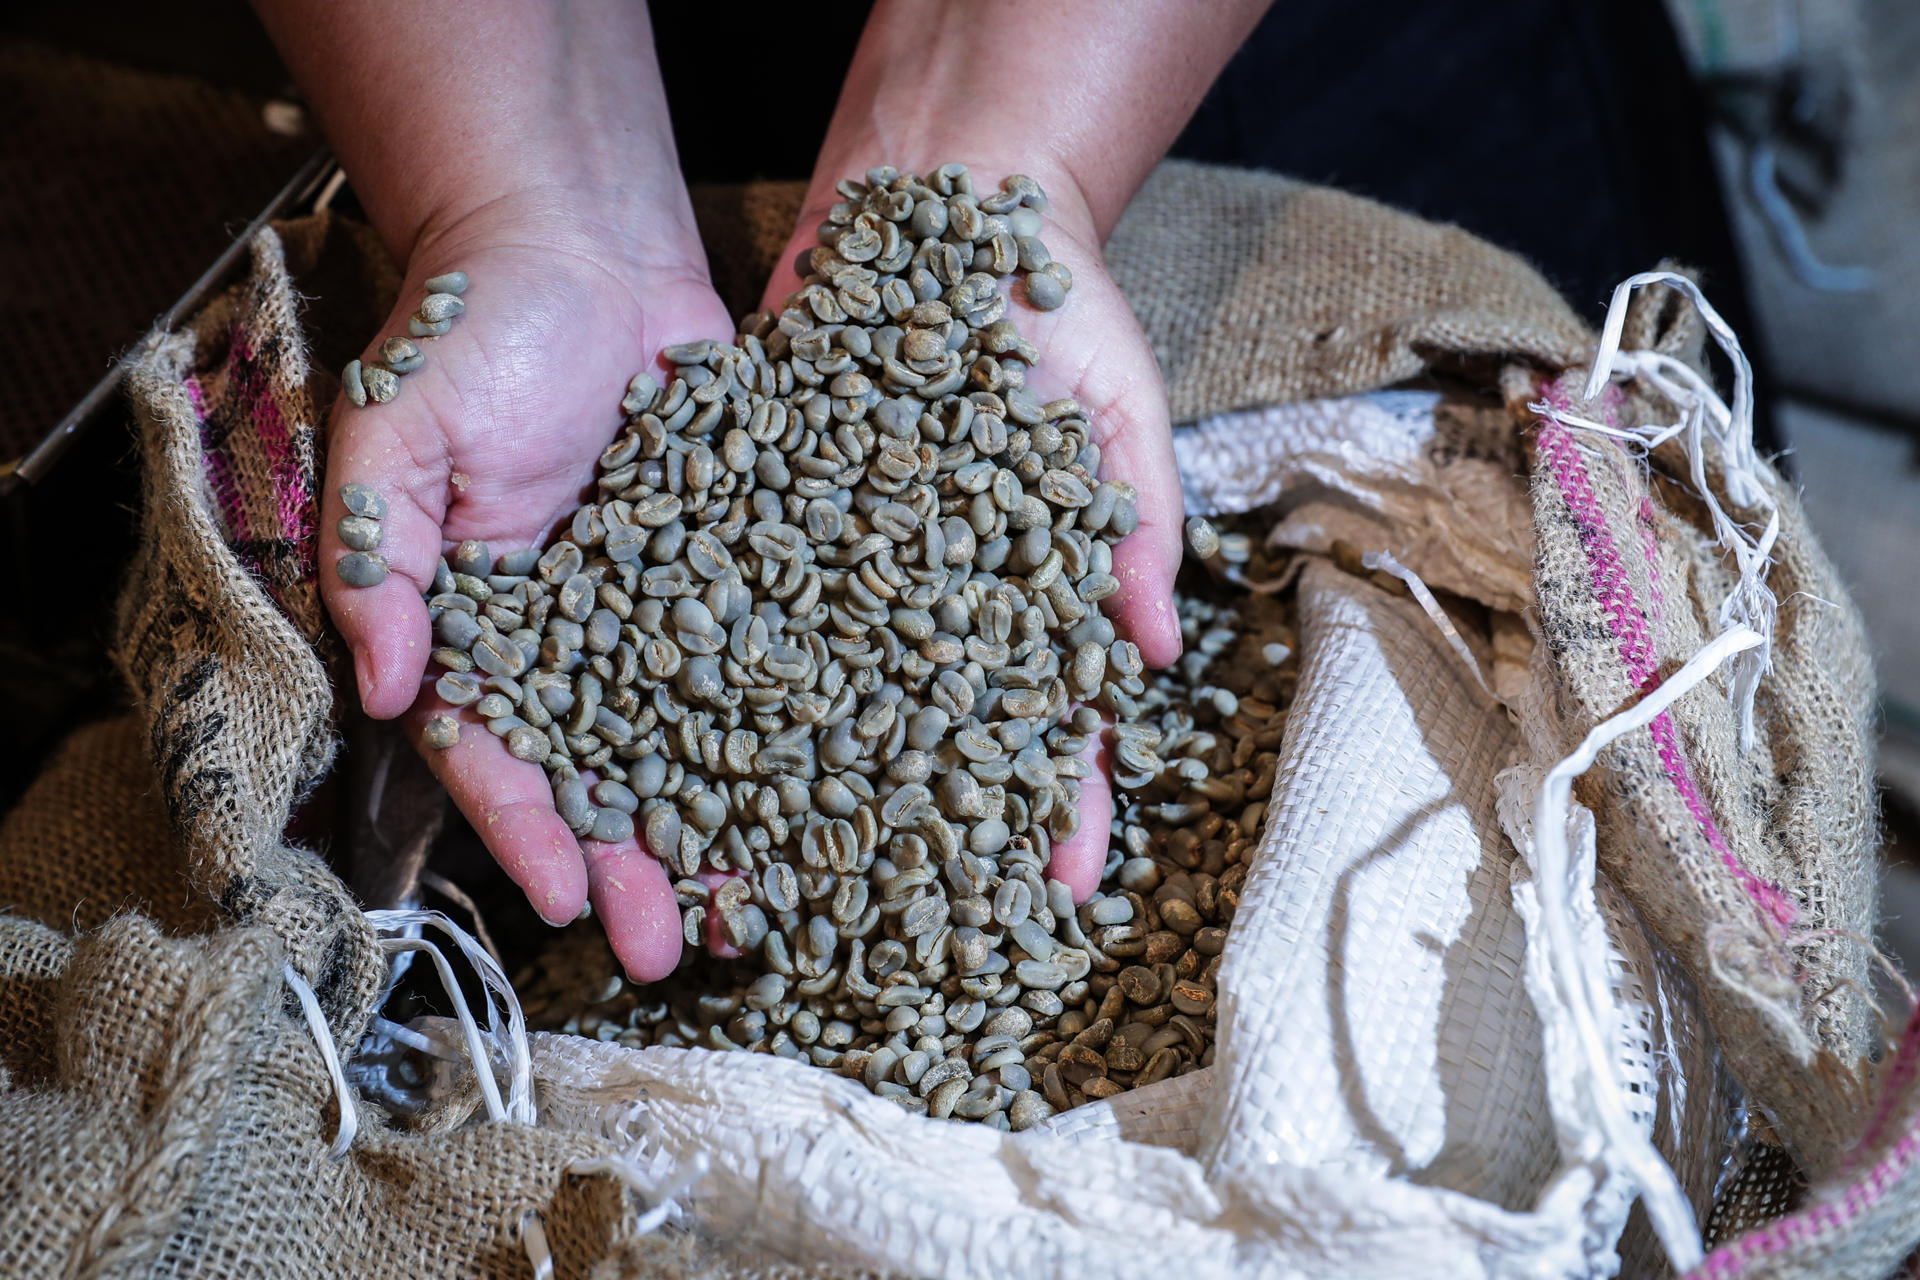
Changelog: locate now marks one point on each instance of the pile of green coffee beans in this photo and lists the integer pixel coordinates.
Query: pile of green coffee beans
(831, 625)
(990, 1048)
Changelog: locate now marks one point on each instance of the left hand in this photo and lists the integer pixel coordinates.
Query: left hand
(1092, 349)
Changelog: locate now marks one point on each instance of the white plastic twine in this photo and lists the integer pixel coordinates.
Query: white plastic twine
(329, 1054)
(1666, 1204)
(1384, 562)
(510, 1036)
(1751, 603)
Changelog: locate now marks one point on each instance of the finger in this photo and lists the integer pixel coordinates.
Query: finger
(385, 625)
(1127, 404)
(1146, 560)
(510, 805)
(714, 931)
(636, 905)
(1079, 860)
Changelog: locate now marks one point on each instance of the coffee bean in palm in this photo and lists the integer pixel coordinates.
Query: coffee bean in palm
(401, 355)
(362, 568)
(454, 282)
(381, 383)
(418, 328)
(1044, 292)
(610, 826)
(473, 558)
(359, 533)
(438, 307)
(363, 501)
(353, 385)
(518, 564)
(442, 731)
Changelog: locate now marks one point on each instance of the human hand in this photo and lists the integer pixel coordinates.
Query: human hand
(1086, 100)
(1091, 349)
(495, 438)
(527, 143)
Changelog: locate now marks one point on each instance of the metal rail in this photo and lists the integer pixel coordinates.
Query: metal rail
(304, 184)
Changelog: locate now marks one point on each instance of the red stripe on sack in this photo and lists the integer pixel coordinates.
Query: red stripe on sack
(292, 495)
(219, 466)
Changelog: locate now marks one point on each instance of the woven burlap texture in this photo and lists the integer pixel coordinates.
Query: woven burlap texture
(1729, 854)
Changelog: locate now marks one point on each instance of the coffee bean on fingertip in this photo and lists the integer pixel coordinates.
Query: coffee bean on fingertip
(363, 501)
(401, 354)
(382, 384)
(351, 383)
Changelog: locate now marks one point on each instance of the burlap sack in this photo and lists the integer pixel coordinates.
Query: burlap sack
(208, 1149)
(1755, 867)
(165, 1109)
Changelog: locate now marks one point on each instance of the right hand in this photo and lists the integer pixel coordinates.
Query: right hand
(496, 438)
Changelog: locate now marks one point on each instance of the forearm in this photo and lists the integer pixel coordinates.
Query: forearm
(440, 108)
(1085, 95)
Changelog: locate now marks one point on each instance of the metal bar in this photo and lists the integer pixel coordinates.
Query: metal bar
(37, 463)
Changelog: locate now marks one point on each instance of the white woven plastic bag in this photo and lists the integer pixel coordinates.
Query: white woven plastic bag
(1401, 1087)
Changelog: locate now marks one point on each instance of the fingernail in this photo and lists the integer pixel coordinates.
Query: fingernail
(363, 675)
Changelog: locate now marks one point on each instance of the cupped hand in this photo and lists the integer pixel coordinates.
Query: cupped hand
(1092, 349)
(495, 437)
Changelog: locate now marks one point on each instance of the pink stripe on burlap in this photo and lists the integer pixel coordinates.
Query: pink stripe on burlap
(1868, 1189)
(219, 467)
(1614, 590)
(292, 496)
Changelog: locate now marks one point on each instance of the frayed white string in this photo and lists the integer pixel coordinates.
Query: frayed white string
(666, 1199)
(510, 1035)
(1666, 1203)
(399, 1033)
(1750, 603)
(476, 1045)
(626, 1169)
(1385, 563)
(329, 1054)
(533, 1238)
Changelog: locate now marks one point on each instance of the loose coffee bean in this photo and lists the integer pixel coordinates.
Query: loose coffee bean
(380, 383)
(442, 731)
(401, 355)
(436, 307)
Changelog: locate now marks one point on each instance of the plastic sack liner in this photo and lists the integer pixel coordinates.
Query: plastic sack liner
(1398, 1086)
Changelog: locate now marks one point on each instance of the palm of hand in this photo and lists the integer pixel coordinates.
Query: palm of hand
(1093, 350)
(495, 438)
